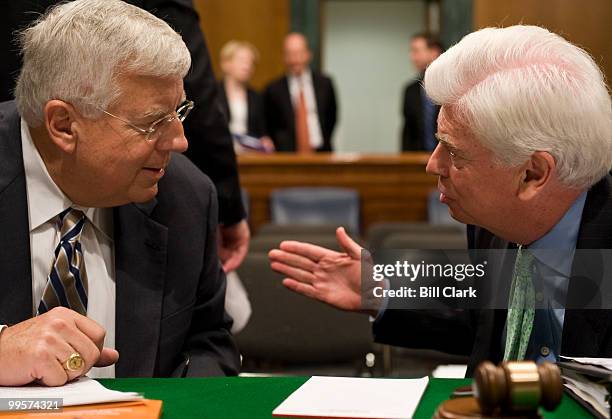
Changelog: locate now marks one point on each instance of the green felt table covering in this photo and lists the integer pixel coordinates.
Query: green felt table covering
(248, 397)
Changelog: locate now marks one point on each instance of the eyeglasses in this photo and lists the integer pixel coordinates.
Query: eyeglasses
(150, 133)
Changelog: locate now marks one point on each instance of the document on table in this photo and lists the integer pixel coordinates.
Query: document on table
(450, 371)
(340, 397)
(600, 362)
(80, 392)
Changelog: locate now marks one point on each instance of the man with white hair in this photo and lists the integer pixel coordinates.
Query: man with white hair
(108, 233)
(525, 147)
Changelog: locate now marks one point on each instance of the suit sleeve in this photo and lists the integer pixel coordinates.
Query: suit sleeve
(449, 331)
(210, 143)
(333, 109)
(408, 141)
(209, 346)
(271, 113)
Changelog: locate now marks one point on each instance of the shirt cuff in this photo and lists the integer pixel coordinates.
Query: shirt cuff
(383, 306)
(2, 327)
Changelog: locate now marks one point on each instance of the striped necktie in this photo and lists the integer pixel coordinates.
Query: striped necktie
(521, 309)
(67, 281)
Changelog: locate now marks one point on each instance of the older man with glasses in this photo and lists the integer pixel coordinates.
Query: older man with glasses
(108, 233)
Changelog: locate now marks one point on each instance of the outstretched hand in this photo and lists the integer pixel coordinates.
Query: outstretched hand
(326, 275)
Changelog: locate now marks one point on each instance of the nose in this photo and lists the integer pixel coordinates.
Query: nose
(173, 138)
(438, 162)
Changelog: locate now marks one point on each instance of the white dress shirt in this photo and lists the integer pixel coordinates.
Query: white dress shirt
(45, 202)
(314, 127)
(239, 116)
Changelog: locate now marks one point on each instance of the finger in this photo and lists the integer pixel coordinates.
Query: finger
(348, 244)
(108, 357)
(292, 259)
(235, 258)
(294, 273)
(92, 330)
(63, 357)
(231, 263)
(47, 368)
(301, 288)
(310, 251)
(79, 342)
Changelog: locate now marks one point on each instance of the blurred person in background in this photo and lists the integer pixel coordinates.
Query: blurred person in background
(300, 106)
(243, 105)
(419, 112)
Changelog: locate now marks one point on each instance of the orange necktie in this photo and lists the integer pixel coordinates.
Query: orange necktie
(301, 125)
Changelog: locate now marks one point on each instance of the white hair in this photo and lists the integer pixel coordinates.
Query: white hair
(77, 51)
(523, 89)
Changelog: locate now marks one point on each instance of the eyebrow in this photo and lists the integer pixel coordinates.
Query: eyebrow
(157, 113)
(154, 114)
(445, 140)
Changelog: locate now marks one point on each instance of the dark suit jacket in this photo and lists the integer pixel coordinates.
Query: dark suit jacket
(210, 143)
(256, 118)
(170, 288)
(280, 117)
(413, 133)
(586, 332)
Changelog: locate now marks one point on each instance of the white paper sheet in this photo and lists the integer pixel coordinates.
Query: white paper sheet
(79, 392)
(592, 393)
(450, 371)
(600, 362)
(340, 397)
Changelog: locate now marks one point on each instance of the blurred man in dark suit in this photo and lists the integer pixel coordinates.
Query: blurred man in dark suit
(419, 112)
(301, 106)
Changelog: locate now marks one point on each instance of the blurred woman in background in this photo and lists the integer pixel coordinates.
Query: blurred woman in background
(243, 106)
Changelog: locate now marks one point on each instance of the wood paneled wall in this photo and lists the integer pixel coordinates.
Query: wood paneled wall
(392, 187)
(264, 23)
(585, 23)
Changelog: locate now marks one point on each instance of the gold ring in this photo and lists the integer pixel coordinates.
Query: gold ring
(74, 363)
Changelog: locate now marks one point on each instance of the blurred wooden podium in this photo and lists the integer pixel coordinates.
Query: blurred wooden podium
(393, 187)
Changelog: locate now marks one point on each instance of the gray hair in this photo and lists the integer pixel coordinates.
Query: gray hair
(77, 50)
(523, 89)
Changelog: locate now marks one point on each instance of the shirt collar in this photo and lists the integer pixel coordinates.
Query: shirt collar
(305, 77)
(556, 248)
(45, 199)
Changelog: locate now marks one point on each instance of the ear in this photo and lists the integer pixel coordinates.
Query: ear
(536, 174)
(59, 119)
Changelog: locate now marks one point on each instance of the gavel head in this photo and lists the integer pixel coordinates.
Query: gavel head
(517, 386)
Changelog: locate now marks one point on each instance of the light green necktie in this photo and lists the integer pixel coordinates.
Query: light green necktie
(521, 309)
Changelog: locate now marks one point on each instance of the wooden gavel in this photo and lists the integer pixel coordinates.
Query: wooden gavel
(511, 390)
(517, 386)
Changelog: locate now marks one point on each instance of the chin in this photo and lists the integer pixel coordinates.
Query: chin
(144, 195)
(458, 216)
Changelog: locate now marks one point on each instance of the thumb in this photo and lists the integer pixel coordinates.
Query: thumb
(348, 244)
(108, 357)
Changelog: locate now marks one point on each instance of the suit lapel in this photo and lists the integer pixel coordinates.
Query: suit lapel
(490, 322)
(140, 267)
(288, 104)
(318, 93)
(15, 266)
